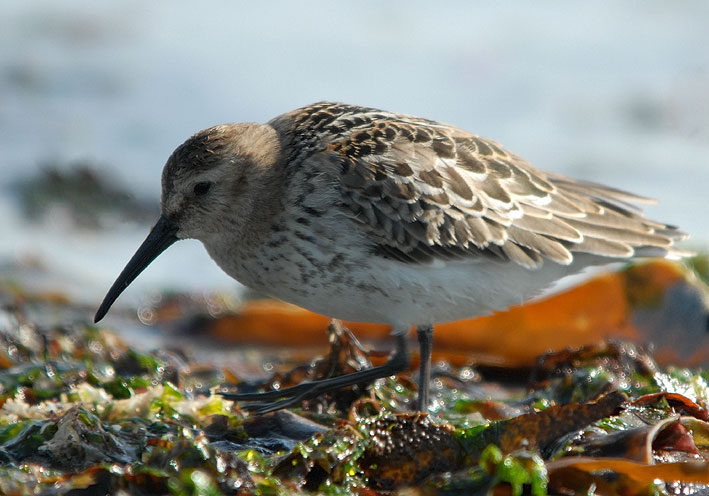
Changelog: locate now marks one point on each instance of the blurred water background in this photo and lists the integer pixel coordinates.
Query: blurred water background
(615, 92)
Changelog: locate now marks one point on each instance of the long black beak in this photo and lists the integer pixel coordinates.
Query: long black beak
(160, 238)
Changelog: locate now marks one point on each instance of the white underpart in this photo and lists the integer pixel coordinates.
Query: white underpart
(374, 289)
(442, 291)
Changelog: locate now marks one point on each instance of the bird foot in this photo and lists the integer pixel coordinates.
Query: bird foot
(288, 397)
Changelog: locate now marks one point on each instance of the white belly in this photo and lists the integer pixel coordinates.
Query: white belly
(403, 295)
(336, 281)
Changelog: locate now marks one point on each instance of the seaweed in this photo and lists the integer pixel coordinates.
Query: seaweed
(83, 412)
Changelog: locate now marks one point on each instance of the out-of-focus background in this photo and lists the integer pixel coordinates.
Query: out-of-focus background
(95, 95)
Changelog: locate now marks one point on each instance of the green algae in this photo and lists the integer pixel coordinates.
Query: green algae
(80, 409)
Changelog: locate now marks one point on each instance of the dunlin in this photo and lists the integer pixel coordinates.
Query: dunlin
(367, 215)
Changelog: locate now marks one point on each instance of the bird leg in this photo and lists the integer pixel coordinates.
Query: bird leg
(425, 337)
(398, 361)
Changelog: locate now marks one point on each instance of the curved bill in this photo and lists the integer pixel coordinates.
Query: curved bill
(160, 238)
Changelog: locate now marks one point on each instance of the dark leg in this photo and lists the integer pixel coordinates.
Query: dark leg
(425, 336)
(293, 395)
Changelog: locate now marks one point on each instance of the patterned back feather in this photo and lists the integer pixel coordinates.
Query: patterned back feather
(424, 190)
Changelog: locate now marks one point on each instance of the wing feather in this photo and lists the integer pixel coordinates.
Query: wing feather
(423, 190)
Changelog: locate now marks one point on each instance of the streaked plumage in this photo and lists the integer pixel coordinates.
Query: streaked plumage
(424, 190)
(367, 215)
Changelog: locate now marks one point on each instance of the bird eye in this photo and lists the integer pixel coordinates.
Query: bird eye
(202, 188)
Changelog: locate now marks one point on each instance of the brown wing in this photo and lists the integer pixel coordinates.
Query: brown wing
(424, 190)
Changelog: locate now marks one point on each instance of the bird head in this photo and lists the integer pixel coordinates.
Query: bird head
(213, 185)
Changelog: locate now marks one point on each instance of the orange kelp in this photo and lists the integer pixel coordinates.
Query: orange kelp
(656, 302)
